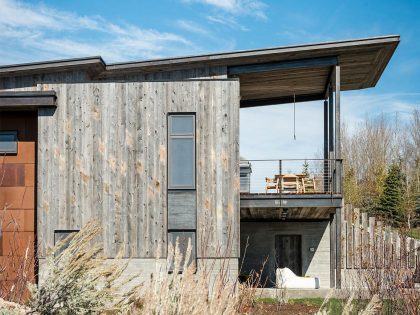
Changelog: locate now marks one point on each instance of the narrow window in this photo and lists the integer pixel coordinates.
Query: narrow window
(183, 238)
(181, 151)
(8, 142)
(63, 235)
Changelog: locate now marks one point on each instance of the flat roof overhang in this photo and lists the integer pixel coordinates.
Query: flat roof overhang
(267, 76)
(27, 100)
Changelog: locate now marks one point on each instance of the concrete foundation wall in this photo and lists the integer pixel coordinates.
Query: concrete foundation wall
(146, 268)
(260, 237)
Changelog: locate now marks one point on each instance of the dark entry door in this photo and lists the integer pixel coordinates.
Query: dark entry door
(289, 252)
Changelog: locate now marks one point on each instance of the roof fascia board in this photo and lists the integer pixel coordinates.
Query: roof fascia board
(95, 64)
(220, 57)
(24, 100)
(281, 100)
(284, 65)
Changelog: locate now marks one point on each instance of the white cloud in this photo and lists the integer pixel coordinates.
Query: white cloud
(50, 33)
(237, 7)
(227, 21)
(193, 27)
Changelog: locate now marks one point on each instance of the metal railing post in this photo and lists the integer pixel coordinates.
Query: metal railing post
(280, 170)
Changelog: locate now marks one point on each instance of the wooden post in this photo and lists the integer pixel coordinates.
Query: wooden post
(380, 245)
(357, 247)
(350, 247)
(326, 146)
(332, 249)
(365, 241)
(372, 245)
(398, 250)
(412, 253)
(337, 127)
(344, 218)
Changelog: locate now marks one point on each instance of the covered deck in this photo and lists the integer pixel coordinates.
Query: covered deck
(290, 189)
(299, 74)
(290, 209)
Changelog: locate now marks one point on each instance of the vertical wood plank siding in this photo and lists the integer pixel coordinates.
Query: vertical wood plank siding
(103, 156)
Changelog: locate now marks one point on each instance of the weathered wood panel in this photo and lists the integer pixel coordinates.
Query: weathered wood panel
(372, 244)
(82, 76)
(103, 156)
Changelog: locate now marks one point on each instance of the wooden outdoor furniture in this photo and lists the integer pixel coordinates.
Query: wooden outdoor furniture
(289, 183)
(308, 185)
(271, 183)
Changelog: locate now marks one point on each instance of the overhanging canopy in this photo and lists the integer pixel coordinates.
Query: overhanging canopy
(267, 76)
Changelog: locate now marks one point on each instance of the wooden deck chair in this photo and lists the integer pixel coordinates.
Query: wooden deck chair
(290, 183)
(271, 183)
(308, 185)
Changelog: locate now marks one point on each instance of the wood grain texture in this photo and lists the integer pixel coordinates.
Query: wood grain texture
(372, 244)
(103, 156)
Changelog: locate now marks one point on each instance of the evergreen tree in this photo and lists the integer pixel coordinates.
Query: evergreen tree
(390, 203)
(305, 168)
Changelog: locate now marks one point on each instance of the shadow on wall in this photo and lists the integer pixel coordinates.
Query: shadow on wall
(303, 247)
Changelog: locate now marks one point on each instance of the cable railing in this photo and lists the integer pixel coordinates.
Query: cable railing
(291, 176)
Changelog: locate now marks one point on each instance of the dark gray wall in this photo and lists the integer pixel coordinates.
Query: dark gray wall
(257, 244)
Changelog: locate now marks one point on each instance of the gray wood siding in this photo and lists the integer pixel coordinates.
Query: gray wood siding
(103, 155)
(80, 76)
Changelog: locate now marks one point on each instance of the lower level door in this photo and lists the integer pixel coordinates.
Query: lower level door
(289, 252)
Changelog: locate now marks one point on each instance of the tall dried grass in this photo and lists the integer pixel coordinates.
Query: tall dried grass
(188, 289)
(16, 270)
(77, 279)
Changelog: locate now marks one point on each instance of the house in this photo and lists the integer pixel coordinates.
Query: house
(150, 149)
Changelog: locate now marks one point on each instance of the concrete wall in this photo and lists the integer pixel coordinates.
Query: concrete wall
(146, 268)
(260, 237)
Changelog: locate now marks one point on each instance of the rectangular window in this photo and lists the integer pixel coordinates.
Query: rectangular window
(8, 142)
(61, 235)
(181, 151)
(183, 238)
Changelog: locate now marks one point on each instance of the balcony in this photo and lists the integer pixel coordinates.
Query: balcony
(290, 188)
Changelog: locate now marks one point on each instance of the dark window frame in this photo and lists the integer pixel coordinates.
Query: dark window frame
(16, 140)
(194, 250)
(63, 231)
(192, 136)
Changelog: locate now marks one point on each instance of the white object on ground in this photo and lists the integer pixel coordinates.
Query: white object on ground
(286, 279)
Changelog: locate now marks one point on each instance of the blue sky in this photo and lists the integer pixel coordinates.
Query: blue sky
(135, 30)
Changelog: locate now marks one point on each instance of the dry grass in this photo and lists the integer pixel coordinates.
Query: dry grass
(77, 279)
(188, 289)
(17, 269)
(391, 282)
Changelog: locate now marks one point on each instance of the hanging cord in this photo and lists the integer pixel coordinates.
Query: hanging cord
(294, 116)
